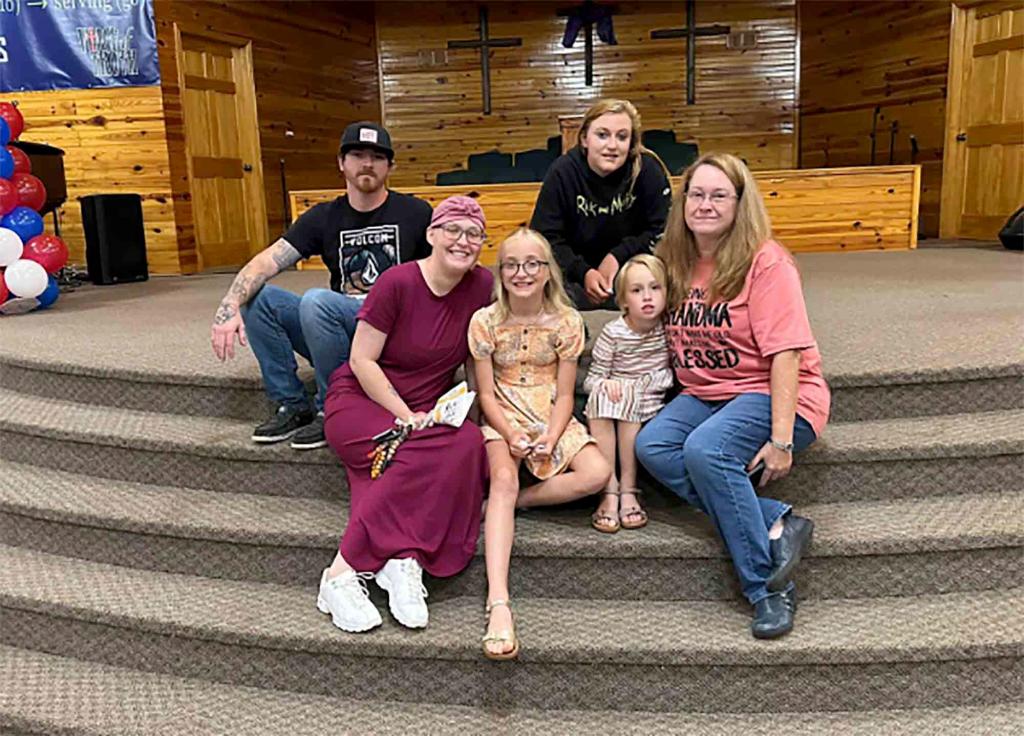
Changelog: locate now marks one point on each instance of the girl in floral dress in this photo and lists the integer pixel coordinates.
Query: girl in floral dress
(525, 347)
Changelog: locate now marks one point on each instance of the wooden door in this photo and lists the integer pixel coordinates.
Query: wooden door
(218, 99)
(983, 168)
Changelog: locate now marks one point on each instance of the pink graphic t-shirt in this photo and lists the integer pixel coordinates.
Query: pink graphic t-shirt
(725, 349)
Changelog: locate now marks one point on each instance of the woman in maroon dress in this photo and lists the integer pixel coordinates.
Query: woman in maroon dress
(423, 512)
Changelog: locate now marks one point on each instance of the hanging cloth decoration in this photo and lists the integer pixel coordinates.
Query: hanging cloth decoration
(587, 15)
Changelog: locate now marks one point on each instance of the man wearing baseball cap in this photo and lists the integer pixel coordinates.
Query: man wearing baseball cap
(359, 236)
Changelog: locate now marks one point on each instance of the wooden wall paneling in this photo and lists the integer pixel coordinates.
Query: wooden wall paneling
(859, 55)
(431, 95)
(315, 70)
(843, 209)
(114, 141)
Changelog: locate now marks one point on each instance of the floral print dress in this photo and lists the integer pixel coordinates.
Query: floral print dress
(525, 358)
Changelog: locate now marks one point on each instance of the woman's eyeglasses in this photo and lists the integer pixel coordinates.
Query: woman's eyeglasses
(716, 198)
(530, 268)
(474, 235)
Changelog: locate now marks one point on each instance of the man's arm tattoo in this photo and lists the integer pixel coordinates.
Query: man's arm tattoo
(244, 286)
(253, 276)
(284, 254)
(224, 313)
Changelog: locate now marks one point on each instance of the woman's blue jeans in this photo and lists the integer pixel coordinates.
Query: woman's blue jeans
(700, 450)
(319, 326)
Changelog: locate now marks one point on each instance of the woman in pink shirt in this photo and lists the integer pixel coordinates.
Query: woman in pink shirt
(750, 371)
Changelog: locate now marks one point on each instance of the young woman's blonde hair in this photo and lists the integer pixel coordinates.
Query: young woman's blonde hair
(555, 299)
(751, 227)
(653, 264)
(636, 148)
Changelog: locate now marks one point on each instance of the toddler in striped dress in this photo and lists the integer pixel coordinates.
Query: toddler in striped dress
(629, 374)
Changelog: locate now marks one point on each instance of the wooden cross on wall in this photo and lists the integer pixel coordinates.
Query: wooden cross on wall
(485, 43)
(690, 33)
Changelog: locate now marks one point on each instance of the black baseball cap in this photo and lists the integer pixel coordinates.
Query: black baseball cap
(365, 134)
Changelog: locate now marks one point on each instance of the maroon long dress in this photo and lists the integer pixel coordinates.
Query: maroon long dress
(426, 505)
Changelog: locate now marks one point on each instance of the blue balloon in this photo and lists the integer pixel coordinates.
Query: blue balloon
(49, 295)
(6, 162)
(5, 132)
(24, 221)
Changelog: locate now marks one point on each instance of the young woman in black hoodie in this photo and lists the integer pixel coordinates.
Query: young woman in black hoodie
(602, 202)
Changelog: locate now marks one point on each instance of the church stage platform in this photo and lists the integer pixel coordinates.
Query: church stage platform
(158, 571)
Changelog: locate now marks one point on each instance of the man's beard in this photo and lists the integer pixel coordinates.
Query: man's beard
(367, 183)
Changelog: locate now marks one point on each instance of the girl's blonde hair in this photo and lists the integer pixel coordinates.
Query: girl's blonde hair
(652, 263)
(750, 228)
(636, 147)
(555, 299)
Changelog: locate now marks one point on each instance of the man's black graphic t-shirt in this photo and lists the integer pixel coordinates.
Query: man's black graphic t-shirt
(357, 247)
(586, 216)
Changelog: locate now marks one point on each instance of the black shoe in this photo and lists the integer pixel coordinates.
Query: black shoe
(282, 425)
(310, 437)
(787, 550)
(773, 616)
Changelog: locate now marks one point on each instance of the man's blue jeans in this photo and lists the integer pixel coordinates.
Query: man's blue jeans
(319, 326)
(700, 451)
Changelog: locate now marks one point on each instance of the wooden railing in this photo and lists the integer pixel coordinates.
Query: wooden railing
(856, 208)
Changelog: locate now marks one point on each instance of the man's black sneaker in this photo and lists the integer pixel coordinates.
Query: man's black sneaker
(282, 425)
(311, 437)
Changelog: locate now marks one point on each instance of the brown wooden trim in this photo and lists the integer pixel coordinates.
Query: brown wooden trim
(251, 147)
(210, 167)
(988, 48)
(954, 154)
(194, 81)
(1000, 133)
(915, 206)
(225, 39)
(982, 227)
(382, 111)
(797, 155)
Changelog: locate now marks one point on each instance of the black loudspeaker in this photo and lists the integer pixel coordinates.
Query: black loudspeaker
(115, 240)
(1012, 234)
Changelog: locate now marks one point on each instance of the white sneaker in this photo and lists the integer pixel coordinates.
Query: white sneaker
(347, 600)
(403, 581)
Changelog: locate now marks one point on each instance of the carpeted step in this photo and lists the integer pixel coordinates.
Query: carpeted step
(858, 460)
(928, 393)
(919, 652)
(880, 548)
(901, 458)
(231, 397)
(152, 447)
(855, 397)
(49, 695)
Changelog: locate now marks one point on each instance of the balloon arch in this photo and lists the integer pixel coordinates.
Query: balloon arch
(29, 258)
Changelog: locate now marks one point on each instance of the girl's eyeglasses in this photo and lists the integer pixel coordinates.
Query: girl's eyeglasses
(530, 268)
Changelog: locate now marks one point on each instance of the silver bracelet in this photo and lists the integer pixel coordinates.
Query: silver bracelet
(784, 446)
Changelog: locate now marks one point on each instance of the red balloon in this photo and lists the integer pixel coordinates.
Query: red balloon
(3, 288)
(22, 164)
(14, 119)
(31, 191)
(48, 251)
(8, 197)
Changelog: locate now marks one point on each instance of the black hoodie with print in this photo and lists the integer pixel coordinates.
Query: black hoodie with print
(586, 216)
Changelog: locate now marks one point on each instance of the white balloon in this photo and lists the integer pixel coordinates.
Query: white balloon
(10, 247)
(26, 278)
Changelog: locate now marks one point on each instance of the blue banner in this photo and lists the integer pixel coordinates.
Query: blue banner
(76, 44)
